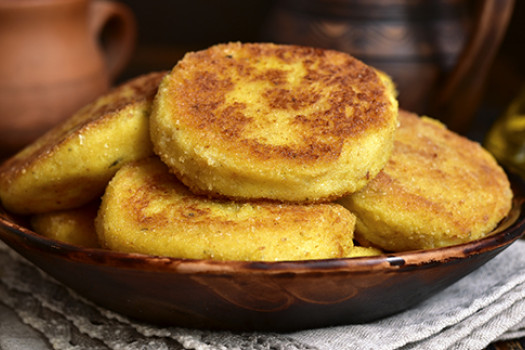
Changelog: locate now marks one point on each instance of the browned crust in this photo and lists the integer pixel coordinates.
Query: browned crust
(472, 160)
(142, 88)
(151, 199)
(442, 176)
(199, 85)
(189, 208)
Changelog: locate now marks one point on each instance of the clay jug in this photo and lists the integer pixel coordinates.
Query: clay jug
(56, 56)
(438, 52)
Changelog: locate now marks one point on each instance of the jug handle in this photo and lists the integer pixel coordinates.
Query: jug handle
(113, 24)
(459, 96)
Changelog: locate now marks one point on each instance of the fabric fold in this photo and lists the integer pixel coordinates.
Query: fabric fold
(485, 306)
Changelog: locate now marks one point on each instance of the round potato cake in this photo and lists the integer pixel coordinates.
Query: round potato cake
(437, 189)
(267, 121)
(73, 226)
(71, 164)
(147, 210)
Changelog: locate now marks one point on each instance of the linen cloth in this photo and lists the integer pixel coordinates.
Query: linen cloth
(37, 312)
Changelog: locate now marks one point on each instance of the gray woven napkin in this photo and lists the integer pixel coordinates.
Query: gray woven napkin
(37, 312)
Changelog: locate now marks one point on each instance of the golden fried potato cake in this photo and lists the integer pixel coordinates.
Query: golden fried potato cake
(437, 189)
(278, 122)
(73, 226)
(71, 164)
(360, 251)
(146, 209)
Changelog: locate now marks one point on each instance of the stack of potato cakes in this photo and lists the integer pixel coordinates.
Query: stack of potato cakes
(258, 152)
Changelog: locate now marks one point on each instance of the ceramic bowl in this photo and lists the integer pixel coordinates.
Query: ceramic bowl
(271, 296)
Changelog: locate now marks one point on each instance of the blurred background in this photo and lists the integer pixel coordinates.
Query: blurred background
(461, 61)
(167, 29)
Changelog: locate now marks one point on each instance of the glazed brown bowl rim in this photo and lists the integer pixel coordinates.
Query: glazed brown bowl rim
(510, 229)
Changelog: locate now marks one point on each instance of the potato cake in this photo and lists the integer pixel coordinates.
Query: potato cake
(276, 122)
(73, 226)
(437, 189)
(146, 209)
(71, 164)
(359, 252)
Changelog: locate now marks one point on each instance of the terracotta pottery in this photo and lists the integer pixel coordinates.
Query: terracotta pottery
(57, 55)
(437, 51)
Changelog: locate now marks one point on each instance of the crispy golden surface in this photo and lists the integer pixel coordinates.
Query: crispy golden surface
(437, 189)
(73, 226)
(147, 210)
(273, 121)
(71, 164)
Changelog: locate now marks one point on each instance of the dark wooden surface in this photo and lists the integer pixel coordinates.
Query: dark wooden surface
(518, 344)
